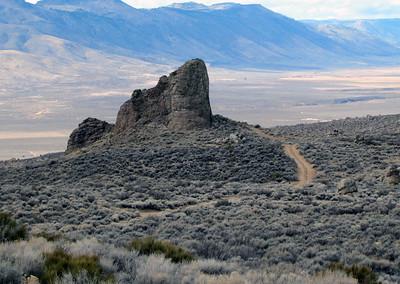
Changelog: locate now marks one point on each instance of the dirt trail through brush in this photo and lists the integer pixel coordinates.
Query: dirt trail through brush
(305, 171)
(157, 213)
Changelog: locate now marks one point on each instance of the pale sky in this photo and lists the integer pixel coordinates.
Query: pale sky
(305, 9)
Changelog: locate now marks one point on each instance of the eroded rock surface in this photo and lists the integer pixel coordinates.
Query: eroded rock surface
(88, 132)
(179, 101)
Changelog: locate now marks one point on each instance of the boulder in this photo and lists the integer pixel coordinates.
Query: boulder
(32, 280)
(88, 132)
(179, 101)
(392, 176)
(346, 186)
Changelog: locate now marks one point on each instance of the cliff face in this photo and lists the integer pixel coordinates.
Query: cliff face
(179, 101)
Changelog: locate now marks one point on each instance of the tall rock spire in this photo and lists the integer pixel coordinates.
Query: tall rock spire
(180, 101)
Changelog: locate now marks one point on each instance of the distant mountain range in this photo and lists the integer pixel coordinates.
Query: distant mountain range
(385, 30)
(226, 35)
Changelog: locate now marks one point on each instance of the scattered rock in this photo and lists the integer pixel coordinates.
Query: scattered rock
(393, 175)
(180, 101)
(346, 186)
(32, 280)
(115, 218)
(88, 132)
(234, 138)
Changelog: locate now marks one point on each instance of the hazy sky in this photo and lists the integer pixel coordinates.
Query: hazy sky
(306, 9)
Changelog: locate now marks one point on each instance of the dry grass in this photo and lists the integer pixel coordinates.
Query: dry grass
(29, 258)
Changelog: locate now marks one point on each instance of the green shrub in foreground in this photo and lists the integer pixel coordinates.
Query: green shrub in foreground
(58, 263)
(149, 245)
(363, 274)
(51, 237)
(10, 230)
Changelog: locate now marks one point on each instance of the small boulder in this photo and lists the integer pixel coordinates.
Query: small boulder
(234, 138)
(32, 280)
(392, 176)
(88, 132)
(347, 186)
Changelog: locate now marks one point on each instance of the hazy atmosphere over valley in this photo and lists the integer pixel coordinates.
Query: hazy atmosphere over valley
(248, 142)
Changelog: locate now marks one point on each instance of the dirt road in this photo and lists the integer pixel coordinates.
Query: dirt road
(305, 171)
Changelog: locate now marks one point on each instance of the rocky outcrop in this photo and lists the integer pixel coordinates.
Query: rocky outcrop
(179, 101)
(88, 132)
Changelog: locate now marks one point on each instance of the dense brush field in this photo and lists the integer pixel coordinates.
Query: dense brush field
(241, 219)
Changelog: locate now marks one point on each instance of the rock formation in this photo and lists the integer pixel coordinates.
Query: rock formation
(88, 132)
(180, 101)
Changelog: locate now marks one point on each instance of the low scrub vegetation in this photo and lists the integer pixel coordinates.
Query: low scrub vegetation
(363, 274)
(92, 262)
(52, 237)
(149, 246)
(59, 263)
(10, 230)
(104, 194)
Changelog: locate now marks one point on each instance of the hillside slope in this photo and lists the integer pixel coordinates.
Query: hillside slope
(224, 200)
